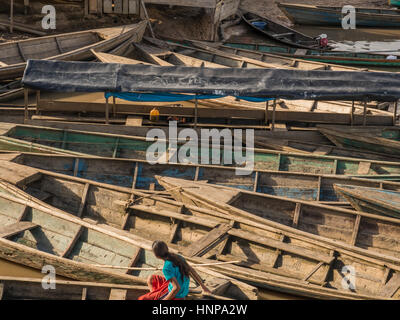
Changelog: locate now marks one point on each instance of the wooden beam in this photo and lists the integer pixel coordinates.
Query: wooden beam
(83, 199)
(118, 294)
(74, 240)
(207, 242)
(296, 216)
(135, 259)
(355, 230)
(15, 228)
(12, 16)
(147, 18)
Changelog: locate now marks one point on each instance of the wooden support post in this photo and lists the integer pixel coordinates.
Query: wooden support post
(196, 111)
(147, 18)
(26, 111)
(26, 6)
(107, 116)
(273, 116)
(352, 114)
(266, 112)
(12, 16)
(86, 8)
(396, 106)
(365, 114)
(37, 101)
(114, 107)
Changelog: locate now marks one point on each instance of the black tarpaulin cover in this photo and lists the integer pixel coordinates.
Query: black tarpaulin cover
(280, 83)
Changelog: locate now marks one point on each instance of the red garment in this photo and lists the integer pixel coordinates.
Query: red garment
(159, 289)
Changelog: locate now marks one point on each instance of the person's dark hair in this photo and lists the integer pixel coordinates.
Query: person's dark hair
(160, 249)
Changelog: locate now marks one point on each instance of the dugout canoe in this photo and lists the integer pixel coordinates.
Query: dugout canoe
(375, 233)
(373, 200)
(304, 14)
(22, 288)
(279, 32)
(140, 175)
(301, 266)
(376, 139)
(120, 146)
(35, 235)
(74, 46)
(329, 57)
(249, 55)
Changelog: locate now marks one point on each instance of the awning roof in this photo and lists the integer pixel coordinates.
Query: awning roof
(63, 76)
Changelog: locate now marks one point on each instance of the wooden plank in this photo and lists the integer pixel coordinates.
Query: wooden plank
(83, 199)
(134, 121)
(118, 294)
(15, 228)
(135, 259)
(314, 270)
(71, 245)
(208, 241)
(363, 168)
(174, 230)
(296, 215)
(391, 287)
(84, 293)
(355, 230)
(17, 174)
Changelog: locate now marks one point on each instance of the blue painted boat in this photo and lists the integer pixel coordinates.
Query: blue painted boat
(372, 200)
(326, 15)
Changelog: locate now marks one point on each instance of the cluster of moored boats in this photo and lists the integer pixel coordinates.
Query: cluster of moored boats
(317, 217)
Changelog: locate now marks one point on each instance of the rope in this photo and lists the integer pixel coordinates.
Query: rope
(160, 268)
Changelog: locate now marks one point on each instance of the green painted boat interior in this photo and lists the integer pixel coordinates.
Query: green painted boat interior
(53, 235)
(114, 146)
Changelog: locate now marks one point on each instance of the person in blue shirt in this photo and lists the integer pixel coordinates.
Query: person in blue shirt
(174, 285)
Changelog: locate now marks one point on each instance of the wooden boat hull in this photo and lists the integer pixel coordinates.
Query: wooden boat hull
(142, 176)
(279, 32)
(341, 58)
(342, 225)
(202, 234)
(117, 146)
(112, 37)
(321, 15)
(31, 289)
(372, 200)
(39, 235)
(379, 139)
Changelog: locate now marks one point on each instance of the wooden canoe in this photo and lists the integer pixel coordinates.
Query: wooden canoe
(139, 174)
(22, 288)
(273, 256)
(329, 57)
(119, 146)
(250, 56)
(279, 32)
(371, 200)
(304, 14)
(74, 46)
(376, 139)
(364, 230)
(14, 288)
(35, 235)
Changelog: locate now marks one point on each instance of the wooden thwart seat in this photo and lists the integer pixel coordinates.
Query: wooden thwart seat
(15, 228)
(207, 242)
(17, 174)
(118, 294)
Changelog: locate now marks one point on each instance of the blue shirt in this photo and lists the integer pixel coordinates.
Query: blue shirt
(170, 271)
